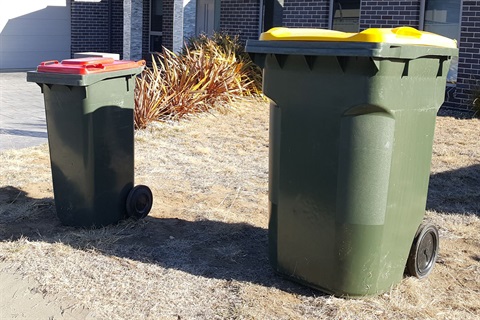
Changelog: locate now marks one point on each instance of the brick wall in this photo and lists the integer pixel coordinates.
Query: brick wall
(240, 17)
(468, 79)
(146, 30)
(388, 14)
(315, 13)
(167, 37)
(117, 27)
(91, 29)
(306, 13)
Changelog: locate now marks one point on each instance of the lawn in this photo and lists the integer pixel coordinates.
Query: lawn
(202, 251)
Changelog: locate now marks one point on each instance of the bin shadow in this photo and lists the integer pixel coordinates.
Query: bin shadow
(459, 114)
(455, 191)
(24, 133)
(211, 249)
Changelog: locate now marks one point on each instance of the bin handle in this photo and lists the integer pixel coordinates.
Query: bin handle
(46, 63)
(407, 32)
(140, 63)
(94, 66)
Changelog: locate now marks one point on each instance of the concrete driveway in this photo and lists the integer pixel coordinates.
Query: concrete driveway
(22, 112)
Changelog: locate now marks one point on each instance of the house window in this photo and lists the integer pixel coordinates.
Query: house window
(345, 15)
(443, 17)
(156, 25)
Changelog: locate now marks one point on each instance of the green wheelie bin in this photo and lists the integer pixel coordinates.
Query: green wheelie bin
(89, 105)
(352, 118)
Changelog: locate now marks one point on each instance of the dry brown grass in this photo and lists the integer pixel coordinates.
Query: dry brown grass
(201, 253)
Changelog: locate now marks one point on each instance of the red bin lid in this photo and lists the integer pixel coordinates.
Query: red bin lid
(87, 65)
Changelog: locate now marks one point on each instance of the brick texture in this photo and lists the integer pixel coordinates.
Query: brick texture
(388, 14)
(94, 27)
(167, 37)
(468, 79)
(306, 13)
(146, 30)
(240, 17)
(117, 27)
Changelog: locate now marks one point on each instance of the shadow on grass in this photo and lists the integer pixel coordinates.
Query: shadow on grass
(456, 191)
(24, 133)
(212, 249)
(205, 248)
(459, 114)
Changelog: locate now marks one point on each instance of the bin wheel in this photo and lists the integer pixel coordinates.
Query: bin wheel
(424, 251)
(139, 202)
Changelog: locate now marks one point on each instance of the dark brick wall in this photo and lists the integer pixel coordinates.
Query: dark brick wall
(468, 79)
(306, 13)
(388, 14)
(117, 27)
(240, 17)
(315, 13)
(94, 29)
(167, 37)
(146, 30)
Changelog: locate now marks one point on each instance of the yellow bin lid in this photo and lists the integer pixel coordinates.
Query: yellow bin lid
(399, 35)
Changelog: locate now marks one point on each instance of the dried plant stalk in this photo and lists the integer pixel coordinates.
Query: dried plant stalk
(200, 79)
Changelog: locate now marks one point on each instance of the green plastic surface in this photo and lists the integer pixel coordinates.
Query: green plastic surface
(90, 136)
(351, 132)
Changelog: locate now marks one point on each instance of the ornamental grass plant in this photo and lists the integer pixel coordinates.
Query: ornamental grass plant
(227, 44)
(203, 77)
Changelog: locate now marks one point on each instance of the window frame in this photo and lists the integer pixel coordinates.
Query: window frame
(421, 26)
(331, 12)
(423, 7)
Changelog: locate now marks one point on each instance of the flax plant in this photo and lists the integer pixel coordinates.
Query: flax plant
(200, 79)
(230, 44)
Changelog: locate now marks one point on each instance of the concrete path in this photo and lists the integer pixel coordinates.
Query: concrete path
(22, 112)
